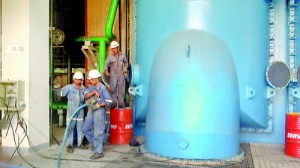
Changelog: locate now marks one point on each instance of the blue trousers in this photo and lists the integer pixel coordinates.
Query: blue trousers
(94, 127)
(79, 125)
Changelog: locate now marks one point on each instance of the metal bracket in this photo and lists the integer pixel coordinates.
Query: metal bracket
(138, 90)
(296, 92)
(270, 92)
(90, 55)
(250, 92)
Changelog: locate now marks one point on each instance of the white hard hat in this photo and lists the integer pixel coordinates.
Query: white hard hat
(94, 74)
(78, 75)
(114, 44)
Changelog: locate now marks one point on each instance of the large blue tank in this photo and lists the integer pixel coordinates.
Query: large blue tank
(243, 26)
(193, 98)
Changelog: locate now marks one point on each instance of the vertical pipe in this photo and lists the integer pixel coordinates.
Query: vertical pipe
(51, 57)
(127, 29)
(1, 49)
(134, 30)
(110, 19)
(102, 54)
(86, 64)
(120, 25)
(109, 35)
(51, 72)
(69, 69)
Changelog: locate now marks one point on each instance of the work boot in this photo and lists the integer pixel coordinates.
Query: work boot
(113, 106)
(70, 149)
(122, 105)
(97, 156)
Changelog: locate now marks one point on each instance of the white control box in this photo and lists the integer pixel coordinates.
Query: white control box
(12, 94)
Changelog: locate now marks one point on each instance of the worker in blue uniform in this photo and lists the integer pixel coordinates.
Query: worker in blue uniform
(98, 98)
(75, 94)
(118, 64)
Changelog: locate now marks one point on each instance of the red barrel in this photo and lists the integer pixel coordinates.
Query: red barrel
(120, 125)
(292, 135)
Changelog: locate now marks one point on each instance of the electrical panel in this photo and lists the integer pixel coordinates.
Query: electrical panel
(12, 94)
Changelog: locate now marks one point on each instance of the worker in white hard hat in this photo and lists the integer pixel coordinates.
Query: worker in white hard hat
(75, 94)
(94, 126)
(88, 82)
(118, 64)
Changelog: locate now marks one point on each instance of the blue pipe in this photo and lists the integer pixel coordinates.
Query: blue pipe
(67, 128)
(65, 135)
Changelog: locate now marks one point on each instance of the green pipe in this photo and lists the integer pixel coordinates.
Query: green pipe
(102, 54)
(109, 35)
(59, 105)
(92, 39)
(111, 19)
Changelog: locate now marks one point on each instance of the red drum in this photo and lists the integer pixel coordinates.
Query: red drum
(292, 135)
(120, 126)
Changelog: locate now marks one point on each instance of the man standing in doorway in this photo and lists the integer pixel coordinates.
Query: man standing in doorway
(117, 62)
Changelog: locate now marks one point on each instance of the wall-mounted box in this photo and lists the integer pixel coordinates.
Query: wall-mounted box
(12, 95)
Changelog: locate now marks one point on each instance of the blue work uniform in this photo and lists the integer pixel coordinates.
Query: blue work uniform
(116, 77)
(94, 126)
(75, 99)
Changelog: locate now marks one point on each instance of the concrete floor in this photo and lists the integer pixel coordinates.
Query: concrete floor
(272, 156)
(260, 156)
(263, 155)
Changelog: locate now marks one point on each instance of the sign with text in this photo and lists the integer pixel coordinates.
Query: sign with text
(14, 49)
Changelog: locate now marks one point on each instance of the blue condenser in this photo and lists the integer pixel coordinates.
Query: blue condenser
(199, 75)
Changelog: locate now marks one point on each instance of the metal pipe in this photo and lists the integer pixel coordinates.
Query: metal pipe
(92, 39)
(120, 25)
(102, 54)
(127, 29)
(69, 69)
(51, 71)
(109, 35)
(51, 57)
(59, 105)
(110, 19)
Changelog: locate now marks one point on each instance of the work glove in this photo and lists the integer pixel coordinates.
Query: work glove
(95, 107)
(125, 72)
(92, 104)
